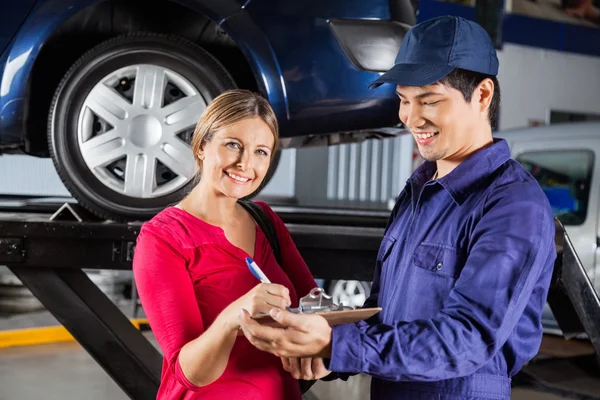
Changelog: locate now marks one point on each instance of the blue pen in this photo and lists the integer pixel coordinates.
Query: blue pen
(256, 271)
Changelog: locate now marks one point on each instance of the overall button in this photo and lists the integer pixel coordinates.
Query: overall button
(439, 266)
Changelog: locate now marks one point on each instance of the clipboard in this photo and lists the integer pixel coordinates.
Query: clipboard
(333, 317)
(317, 302)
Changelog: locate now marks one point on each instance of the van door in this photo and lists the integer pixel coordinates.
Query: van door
(568, 173)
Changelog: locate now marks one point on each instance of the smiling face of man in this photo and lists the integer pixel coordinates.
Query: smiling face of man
(444, 125)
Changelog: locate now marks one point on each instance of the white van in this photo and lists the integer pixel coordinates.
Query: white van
(564, 158)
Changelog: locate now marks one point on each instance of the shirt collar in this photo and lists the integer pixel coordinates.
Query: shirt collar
(467, 176)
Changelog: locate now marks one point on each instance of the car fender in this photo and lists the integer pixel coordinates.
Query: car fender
(42, 22)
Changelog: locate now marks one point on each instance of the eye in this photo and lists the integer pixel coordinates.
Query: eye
(233, 145)
(404, 102)
(432, 103)
(262, 152)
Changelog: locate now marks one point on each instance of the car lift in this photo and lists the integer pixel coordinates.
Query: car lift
(49, 256)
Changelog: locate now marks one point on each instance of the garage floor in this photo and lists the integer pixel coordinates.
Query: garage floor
(65, 371)
(62, 371)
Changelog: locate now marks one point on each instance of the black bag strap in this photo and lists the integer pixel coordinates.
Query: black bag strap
(264, 222)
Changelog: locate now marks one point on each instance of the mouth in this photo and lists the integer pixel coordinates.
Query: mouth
(241, 180)
(425, 138)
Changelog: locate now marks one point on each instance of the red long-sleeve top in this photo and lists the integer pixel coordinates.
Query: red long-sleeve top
(187, 272)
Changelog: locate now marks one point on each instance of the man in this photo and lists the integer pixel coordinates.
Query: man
(463, 270)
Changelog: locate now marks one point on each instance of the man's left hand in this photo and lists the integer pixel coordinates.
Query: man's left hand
(303, 335)
(305, 368)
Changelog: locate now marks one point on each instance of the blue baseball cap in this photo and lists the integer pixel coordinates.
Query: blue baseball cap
(435, 47)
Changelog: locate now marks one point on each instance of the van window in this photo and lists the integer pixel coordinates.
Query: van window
(565, 177)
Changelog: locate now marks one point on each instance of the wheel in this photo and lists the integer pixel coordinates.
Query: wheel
(349, 293)
(121, 122)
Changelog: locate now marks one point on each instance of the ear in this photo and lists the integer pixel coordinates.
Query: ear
(484, 94)
(201, 154)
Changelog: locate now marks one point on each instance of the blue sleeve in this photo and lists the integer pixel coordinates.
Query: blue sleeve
(511, 247)
(373, 299)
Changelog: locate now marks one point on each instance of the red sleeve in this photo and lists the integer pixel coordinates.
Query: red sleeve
(293, 263)
(166, 293)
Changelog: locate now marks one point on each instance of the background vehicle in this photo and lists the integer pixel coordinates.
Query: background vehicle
(564, 158)
(112, 90)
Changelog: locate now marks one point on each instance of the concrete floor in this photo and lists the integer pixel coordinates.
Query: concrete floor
(65, 371)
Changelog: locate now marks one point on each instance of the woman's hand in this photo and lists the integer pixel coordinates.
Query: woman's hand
(262, 298)
(305, 368)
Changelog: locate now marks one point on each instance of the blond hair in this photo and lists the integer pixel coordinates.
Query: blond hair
(228, 108)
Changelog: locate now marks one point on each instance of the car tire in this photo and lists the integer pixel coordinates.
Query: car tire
(109, 119)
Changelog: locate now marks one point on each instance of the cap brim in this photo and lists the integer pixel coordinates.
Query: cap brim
(413, 75)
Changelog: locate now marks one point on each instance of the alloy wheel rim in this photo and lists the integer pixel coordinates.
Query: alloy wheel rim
(135, 128)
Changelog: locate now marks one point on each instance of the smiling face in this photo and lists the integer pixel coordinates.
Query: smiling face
(237, 157)
(444, 125)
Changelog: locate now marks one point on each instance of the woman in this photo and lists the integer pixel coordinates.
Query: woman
(190, 268)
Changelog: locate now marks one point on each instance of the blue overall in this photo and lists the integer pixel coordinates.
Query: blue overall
(462, 276)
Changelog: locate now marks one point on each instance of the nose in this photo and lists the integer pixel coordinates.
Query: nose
(243, 162)
(411, 116)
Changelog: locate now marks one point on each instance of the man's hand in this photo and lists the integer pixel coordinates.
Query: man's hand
(304, 335)
(305, 368)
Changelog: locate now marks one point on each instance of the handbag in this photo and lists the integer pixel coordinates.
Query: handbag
(266, 225)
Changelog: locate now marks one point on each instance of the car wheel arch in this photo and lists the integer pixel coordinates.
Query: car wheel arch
(253, 75)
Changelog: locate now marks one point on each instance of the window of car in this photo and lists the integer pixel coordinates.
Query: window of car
(565, 177)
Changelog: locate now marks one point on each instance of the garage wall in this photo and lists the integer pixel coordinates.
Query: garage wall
(25, 175)
(535, 81)
(31, 176)
(359, 175)
(370, 172)
(282, 183)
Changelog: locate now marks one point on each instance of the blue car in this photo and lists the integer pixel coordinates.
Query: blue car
(112, 90)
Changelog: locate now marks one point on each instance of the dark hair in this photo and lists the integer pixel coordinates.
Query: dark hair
(466, 81)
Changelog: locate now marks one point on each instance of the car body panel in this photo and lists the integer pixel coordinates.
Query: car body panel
(324, 91)
(36, 29)
(11, 19)
(314, 86)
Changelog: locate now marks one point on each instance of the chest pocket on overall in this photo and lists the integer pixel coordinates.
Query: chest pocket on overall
(434, 271)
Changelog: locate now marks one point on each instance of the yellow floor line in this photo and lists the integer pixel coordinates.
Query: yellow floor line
(46, 334)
